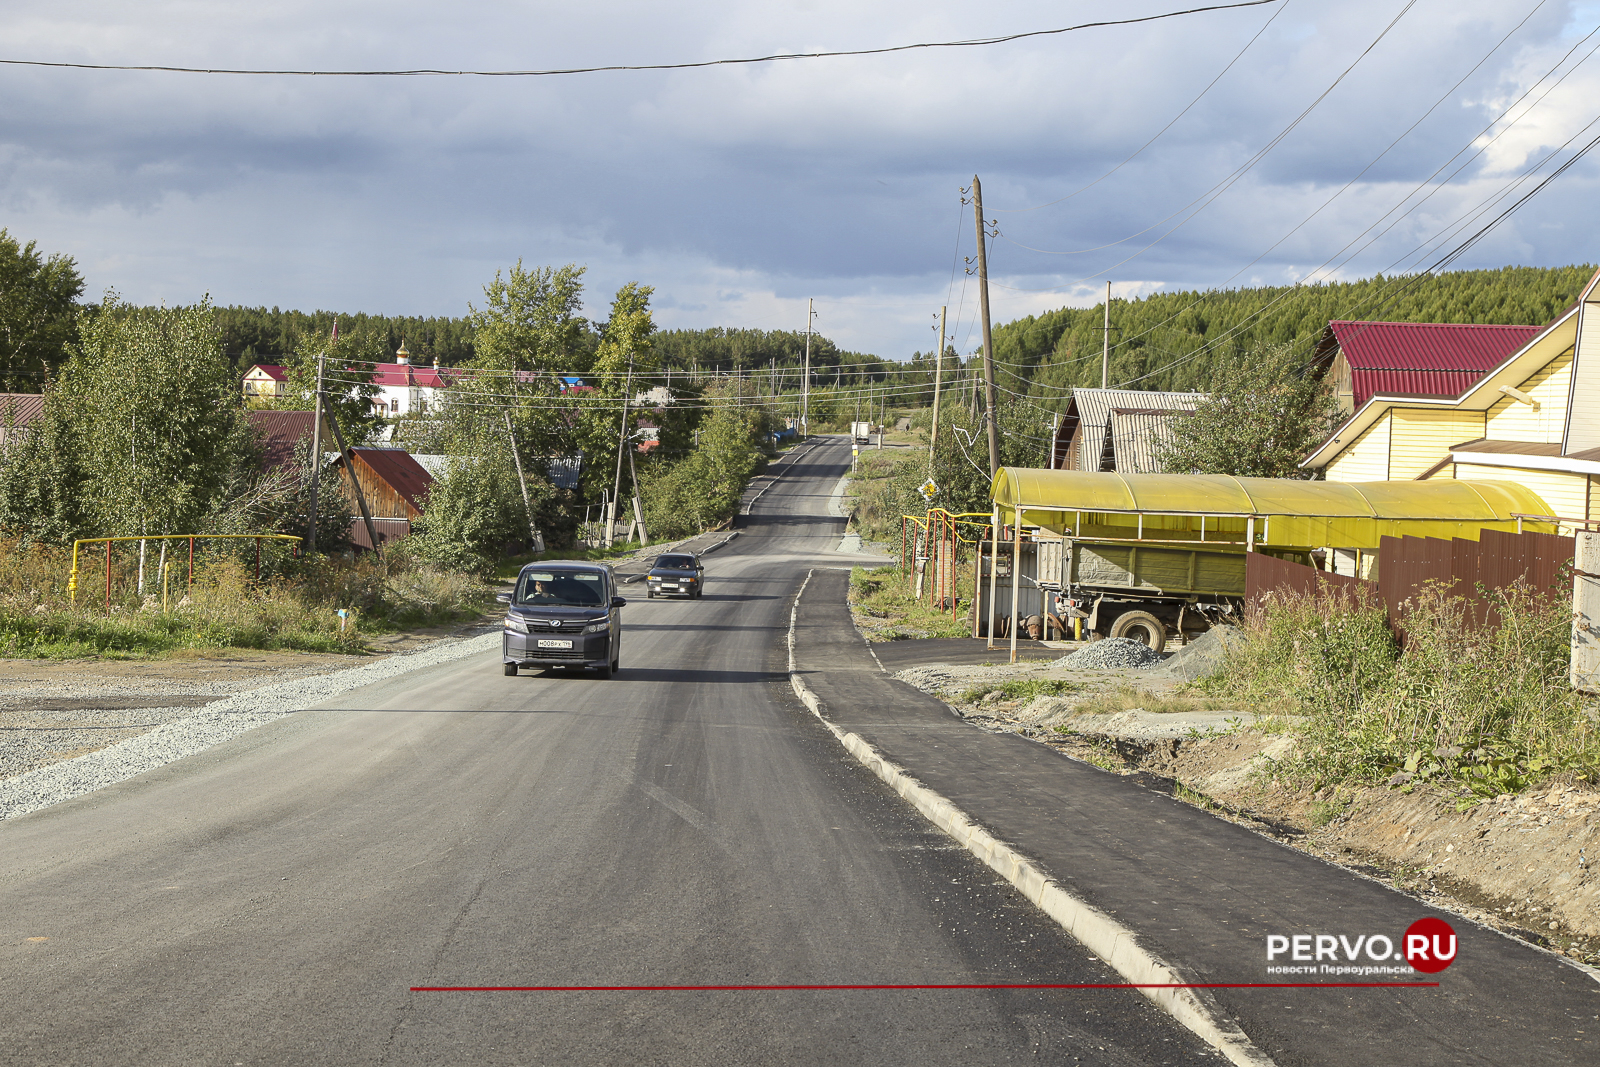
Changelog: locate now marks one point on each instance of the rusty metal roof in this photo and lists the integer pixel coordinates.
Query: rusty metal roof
(1421, 358)
(279, 433)
(395, 466)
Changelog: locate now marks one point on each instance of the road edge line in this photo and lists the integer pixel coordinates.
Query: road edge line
(1094, 929)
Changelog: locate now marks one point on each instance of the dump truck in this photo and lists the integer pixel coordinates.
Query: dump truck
(1151, 556)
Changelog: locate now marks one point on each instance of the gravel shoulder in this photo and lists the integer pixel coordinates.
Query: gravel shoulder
(52, 711)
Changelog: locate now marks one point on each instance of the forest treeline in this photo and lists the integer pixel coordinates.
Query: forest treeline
(268, 335)
(1177, 341)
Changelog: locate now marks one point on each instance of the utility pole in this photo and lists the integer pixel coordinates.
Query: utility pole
(805, 384)
(316, 459)
(355, 486)
(988, 343)
(1105, 344)
(538, 538)
(622, 442)
(638, 507)
(938, 380)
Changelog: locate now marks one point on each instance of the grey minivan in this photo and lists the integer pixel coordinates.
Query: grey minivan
(563, 614)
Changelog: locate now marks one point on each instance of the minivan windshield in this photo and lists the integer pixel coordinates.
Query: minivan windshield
(561, 589)
(677, 563)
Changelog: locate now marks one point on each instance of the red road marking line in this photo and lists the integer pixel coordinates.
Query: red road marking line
(995, 985)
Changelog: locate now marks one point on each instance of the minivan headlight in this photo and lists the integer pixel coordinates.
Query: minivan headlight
(597, 627)
(516, 625)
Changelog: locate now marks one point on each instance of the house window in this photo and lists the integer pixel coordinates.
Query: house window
(394, 406)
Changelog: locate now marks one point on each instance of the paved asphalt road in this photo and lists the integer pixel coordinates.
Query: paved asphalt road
(272, 901)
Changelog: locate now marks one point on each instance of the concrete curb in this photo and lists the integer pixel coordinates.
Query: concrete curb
(1113, 942)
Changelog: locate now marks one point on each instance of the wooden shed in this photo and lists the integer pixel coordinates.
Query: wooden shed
(395, 487)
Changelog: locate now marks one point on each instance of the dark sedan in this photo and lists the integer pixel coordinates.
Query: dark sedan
(676, 574)
(563, 615)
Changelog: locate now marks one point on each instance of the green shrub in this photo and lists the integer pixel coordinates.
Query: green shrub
(1480, 709)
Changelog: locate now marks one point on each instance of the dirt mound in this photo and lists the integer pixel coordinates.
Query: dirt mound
(1202, 656)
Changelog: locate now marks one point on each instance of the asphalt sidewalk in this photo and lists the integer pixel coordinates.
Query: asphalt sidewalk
(1203, 894)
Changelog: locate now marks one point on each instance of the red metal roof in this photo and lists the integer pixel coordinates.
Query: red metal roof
(1423, 358)
(271, 370)
(404, 474)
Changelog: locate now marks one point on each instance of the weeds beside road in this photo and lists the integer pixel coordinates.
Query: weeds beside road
(295, 608)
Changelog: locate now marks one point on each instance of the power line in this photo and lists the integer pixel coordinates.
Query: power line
(1159, 133)
(779, 57)
(1210, 196)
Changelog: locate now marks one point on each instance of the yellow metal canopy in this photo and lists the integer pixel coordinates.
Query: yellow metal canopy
(1287, 512)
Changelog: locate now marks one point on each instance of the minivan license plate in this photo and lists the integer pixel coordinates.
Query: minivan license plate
(555, 644)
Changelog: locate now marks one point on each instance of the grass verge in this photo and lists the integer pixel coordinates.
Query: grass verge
(1477, 710)
(891, 611)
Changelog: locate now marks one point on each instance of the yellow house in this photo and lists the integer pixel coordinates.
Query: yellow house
(1534, 419)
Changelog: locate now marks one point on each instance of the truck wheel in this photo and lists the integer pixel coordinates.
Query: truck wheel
(1143, 627)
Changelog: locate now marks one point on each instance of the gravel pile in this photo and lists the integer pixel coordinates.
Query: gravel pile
(197, 729)
(1203, 656)
(1113, 652)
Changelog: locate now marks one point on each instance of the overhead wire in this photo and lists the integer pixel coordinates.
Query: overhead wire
(1159, 133)
(976, 42)
(1440, 235)
(1211, 195)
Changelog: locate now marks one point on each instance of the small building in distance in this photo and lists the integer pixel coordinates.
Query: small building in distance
(1117, 429)
(18, 413)
(407, 389)
(264, 383)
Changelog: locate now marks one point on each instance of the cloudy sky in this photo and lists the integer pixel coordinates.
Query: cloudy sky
(740, 191)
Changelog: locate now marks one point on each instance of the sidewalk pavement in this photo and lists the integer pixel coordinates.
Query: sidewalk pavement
(967, 651)
(1204, 894)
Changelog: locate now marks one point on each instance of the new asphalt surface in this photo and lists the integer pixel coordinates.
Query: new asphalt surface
(279, 898)
(1205, 894)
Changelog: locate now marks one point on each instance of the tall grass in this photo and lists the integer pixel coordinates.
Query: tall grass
(1483, 708)
(296, 607)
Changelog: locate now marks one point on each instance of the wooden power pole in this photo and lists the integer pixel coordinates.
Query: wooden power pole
(316, 461)
(805, 383)
(938, 380)
(988, 343)
(1105, 344)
